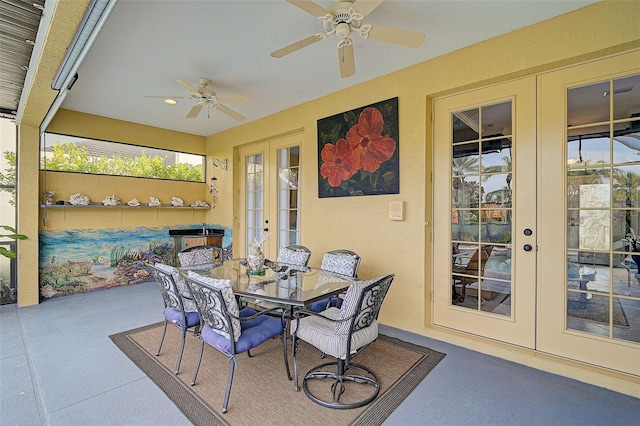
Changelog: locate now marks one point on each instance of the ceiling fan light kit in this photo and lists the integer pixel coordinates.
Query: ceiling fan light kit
(344, 18)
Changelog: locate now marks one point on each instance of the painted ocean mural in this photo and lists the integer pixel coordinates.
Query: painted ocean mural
(78, 261)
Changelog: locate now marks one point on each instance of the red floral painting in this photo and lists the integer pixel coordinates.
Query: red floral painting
(358, 151)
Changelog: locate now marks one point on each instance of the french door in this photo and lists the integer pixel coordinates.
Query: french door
(537, 223)
(484, 212)
(589, 138)
(270, 194)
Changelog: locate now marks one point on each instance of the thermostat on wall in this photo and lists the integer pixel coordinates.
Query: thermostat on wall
(396, 210)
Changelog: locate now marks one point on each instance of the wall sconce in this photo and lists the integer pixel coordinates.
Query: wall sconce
(223, 164)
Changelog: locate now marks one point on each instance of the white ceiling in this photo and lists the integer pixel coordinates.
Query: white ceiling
(145, 45)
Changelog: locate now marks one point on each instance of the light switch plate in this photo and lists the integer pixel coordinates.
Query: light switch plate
(396, 210)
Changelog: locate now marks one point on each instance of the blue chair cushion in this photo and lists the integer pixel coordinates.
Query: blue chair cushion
(254, 332)
(175, 316)
(332, 302)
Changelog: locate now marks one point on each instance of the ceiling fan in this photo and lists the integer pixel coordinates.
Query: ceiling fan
(205, 96)
(344, 18)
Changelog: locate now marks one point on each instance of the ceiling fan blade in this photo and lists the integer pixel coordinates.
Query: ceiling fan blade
(396, 35)
(194, 111)
(188, 87)
(365, 7)
(231, 113)
(346, 60)
(296, 46)
(234, 99)
(309, 7)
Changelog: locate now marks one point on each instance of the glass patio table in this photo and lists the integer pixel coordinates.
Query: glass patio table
(293, 286)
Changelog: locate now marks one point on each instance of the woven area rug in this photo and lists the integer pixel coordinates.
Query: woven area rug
(261, 393)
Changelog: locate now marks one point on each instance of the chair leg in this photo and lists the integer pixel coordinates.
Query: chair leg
(232, 367)
(184, 337)
(249, 353)
(286, 358)
(164, 331)
(195, 373)
(339, 378)
(294, 349)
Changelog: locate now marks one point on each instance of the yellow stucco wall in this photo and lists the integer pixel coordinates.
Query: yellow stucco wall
(27, 211)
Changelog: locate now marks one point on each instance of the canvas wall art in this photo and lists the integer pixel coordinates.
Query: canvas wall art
(358, 151)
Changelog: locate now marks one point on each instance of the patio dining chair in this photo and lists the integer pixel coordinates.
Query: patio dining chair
(294, 255)
(179, 309)
(472, 265)
(343, 262)
(229, 330)
(342, 333)
(200, 257)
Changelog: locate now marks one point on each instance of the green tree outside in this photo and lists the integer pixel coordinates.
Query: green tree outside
(69, 157)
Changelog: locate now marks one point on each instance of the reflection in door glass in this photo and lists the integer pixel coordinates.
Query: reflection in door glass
(288, 212)
(481, 208)
(603, 209)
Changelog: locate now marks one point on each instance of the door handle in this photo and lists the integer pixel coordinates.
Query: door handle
(527, 247)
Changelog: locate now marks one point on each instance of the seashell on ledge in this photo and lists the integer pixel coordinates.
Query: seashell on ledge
(111, 200)
(200, 203)
(79, 200)
(133, 202)
(48, 197)
(177, 202)
(153, 201)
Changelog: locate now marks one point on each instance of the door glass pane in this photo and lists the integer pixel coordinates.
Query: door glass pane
(626, 97)
(496, 155)
(587, 104)
(254, 198)
(466, 159)
(466, 125)
(481, 207)
(603, 209)
(288, 211)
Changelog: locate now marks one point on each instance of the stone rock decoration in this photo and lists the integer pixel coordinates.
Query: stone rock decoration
(111, 200)
(154, 202)
(79, 200)
(177, 202)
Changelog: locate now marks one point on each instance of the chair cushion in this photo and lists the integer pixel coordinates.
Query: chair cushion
(229, 299)
(323, 304)
(349, 303)
(344, 264)
(320, 333)
(199, 258)
(188, 303)
(293, 257)
(175, 316)
(254, 333)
